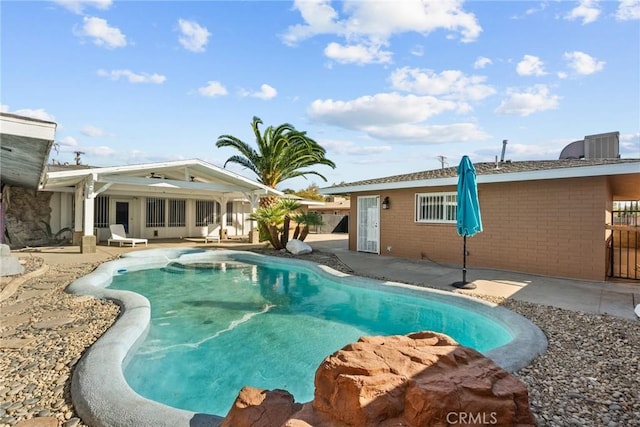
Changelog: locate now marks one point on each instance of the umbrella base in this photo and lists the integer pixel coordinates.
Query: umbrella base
(464, 285)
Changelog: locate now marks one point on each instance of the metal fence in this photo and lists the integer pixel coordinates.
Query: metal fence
(624, 261)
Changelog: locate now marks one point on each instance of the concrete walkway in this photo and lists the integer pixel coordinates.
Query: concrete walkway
(614, 298)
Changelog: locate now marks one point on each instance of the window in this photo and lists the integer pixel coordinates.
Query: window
(436, 207)
(155, 212)
(205, 213)
(101, 212)
(177, 213)
(230, 214)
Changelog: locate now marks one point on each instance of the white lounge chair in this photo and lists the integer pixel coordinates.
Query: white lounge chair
(118, 235)
(213, 233)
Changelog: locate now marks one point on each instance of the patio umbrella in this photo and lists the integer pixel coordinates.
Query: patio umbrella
(468, 219)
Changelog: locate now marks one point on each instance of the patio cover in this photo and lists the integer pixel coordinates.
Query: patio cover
(25, 144)
(183, 178)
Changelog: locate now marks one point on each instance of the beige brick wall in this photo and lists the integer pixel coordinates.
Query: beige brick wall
(550, 227)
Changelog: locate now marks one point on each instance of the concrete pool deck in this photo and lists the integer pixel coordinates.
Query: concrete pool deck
(614, 298)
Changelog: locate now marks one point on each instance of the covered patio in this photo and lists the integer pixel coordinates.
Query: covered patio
(166, 200)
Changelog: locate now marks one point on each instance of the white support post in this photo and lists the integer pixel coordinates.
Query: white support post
(78, 195)
(89, 199)
(223, 214)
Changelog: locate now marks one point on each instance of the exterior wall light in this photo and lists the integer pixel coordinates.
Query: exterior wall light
(386, 203)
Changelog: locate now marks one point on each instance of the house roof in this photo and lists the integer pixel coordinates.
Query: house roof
(25, 143)
(183, 177)
(490, 172)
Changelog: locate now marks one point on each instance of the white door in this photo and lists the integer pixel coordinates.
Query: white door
(368, 220)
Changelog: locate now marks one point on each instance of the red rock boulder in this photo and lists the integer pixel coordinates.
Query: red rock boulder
(419, 380)
(255, 407)
(423, 379)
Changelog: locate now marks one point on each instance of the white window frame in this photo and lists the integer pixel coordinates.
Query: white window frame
(442, 201)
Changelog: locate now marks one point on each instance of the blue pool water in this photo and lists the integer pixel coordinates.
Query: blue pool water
(216, 328)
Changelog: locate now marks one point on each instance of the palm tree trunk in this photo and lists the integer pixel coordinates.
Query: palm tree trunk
(296, 231)
(284, 238)
(274, 238)
(304, 233)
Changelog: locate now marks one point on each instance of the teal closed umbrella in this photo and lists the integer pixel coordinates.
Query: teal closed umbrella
(468, 218)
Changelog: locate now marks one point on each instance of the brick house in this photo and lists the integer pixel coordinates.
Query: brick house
(552, 218)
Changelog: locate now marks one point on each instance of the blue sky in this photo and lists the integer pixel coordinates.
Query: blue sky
(385, 86)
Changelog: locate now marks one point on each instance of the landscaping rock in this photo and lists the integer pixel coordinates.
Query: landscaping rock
(298, 247)
(416, 380)
(255, 407)
(9, 265)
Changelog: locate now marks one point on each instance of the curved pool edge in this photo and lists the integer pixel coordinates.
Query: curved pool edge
(102, 397)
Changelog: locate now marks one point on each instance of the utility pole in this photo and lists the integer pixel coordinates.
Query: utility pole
(78, 154)
(443, 161)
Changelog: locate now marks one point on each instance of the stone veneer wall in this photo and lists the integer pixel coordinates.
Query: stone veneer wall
(26, 213)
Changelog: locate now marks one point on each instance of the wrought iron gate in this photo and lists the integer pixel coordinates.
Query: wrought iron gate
(624, 248)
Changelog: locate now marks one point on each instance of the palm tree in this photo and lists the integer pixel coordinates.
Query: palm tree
(283, 153)
(274, 221)
(304, 220)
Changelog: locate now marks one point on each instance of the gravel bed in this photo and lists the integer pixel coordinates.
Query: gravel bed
(589, 376)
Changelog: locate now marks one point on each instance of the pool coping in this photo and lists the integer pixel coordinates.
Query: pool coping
(102, 396)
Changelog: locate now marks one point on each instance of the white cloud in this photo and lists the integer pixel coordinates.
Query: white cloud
(587, 10)
(530, 66)
(416, 134)
(266, 92)
(628, 10)
(133, 77)
(417, 50)
(396, 118)
(212, 89)
(102, 34)
(4, 108)
(630, 145)
(451, 84)
(38, 113)
(357, 54)
(383, 109)
(349, 148)
(93, 131)
(78, 6)
(194, 37)
(68, 143)
(583, 63)
(482, 62)
(533, 100)
(368, 25)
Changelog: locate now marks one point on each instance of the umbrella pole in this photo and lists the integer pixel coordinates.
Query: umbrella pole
(464, 260)
(464, 284)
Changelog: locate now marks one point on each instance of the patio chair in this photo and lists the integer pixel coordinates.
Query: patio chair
(213, 233)
(120, 236)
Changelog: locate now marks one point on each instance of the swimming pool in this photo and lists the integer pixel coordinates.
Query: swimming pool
(283, 299)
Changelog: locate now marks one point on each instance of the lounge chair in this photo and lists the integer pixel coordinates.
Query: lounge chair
(118, 235)
(213, 233)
